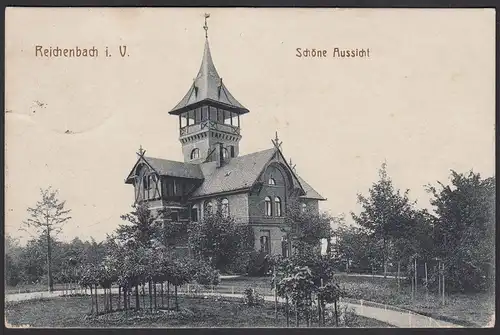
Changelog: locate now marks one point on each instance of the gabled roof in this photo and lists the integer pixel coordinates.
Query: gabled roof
(175, 169)
(165, 167)
(208, 87)
(238, 174)
(310, 192)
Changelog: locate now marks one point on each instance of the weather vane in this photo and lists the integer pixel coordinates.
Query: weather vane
(206, 25)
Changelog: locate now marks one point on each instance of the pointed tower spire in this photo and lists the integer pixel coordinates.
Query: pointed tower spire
(208, 87)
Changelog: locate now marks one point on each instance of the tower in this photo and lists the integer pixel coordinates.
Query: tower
(209, 116)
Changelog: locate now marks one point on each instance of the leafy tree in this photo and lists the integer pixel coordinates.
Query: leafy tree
(47, 218)
(464, 230)
(383, 212)
(306, 228)
(220, 241)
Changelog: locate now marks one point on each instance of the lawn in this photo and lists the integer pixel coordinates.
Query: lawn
(470, 310)
(194, 312)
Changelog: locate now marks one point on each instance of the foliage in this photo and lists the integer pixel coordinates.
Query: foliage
(47, 218)
(306, 227)
(252, 298)
(384, 213)
(464, 227)
(219, 240)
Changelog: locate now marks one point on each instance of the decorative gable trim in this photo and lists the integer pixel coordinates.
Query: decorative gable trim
(131, 175)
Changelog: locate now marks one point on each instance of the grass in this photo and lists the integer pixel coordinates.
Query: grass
(470, 310)
(194, 312)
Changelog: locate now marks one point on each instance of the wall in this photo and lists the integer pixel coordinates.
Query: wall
(238, 206)
(256, 201)
(206, 142)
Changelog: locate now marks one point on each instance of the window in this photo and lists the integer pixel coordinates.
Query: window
(304, 207)
(174, 216)
(277, 205)
(194, 214)
(225, 154)
(271, 181)
(269, 207)
(232, 151)
(265, 241)
(284, 247)
(208, 207)
(225, 207)
(195, 153)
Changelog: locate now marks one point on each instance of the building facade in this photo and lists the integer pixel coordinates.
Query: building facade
(254, 189)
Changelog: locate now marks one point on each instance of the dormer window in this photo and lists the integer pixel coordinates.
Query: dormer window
(271, 181)
(195, 153)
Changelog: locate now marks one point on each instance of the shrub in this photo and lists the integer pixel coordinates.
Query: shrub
(252, 297)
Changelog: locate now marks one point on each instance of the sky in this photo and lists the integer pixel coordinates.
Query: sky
(423, 101)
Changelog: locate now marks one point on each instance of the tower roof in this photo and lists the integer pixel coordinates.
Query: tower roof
(208, 88)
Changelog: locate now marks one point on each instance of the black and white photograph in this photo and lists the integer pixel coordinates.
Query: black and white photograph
(249, 168)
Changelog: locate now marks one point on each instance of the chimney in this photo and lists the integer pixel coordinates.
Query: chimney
(220, 160)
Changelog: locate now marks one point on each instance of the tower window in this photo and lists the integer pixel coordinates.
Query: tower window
(232, 151)
(195, 153)
(269, 207)
(271, 181)
(277, 204)
(225, 207)
(225, 154)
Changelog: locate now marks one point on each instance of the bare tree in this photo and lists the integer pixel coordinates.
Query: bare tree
(47, 218)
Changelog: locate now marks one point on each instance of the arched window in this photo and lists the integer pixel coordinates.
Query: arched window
(304, 207)
(208, 207)
(277, 205)
(271, 181)
(269, 207)
(225, 207)
(225, 153)
(195, 153)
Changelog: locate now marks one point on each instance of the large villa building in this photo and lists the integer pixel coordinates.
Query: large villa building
(254, 188)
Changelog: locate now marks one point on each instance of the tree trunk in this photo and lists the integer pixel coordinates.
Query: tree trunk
(176, 301)
(96, 302)
(426, 284)
(91, 300)
(168, 295)
(416, 283)
(336, 314)
(439, 279)
(287, 311)
(137, 303)
(161, 293)
(443, 284)
(154, 292)
(119, 295)
(110, 300)
(384, 257)
(319, 311)
(143, 295)
(105, 301)
(399, 272)
(50, 282)
(150, 293)
(296, 314)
